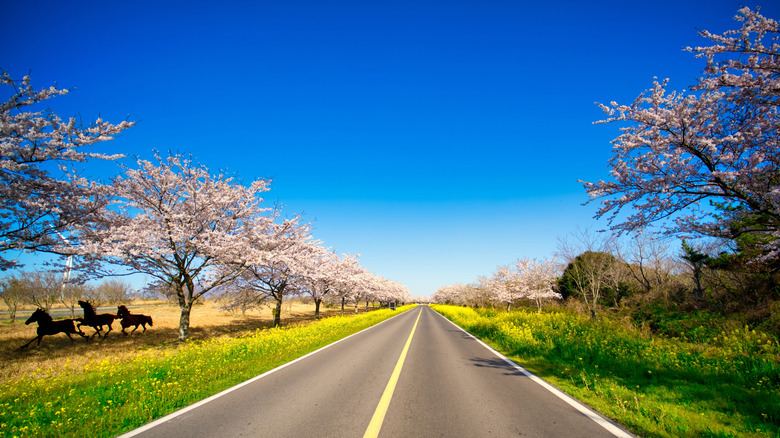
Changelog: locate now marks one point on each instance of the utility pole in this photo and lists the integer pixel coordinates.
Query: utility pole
(66, 273)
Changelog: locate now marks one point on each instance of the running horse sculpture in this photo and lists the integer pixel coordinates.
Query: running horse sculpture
(48, 326)
(94, 320)
(129, 319)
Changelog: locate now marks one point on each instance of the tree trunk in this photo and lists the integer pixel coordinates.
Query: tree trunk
(185, 295)
(508, 305)
(12, 304)
(317, 307)
(69, 306)
(277, 311)
(593, 302)
(699, 290)
(184, 321)
(343, 300)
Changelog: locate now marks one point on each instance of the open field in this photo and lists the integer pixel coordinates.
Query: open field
(56, 353)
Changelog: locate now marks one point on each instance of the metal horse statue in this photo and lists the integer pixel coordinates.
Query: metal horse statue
(47, 326)
(94, 320)
(129, 319)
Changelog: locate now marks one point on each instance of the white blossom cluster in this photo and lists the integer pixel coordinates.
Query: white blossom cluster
(192, 231)
(196, 233)
(704, 161)
(526, 279)
(41, 192)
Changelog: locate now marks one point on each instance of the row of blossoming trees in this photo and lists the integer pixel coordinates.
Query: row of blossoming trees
(526, 280)
(194, 232)
(702, 163)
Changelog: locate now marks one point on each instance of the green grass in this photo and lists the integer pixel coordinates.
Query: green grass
(719, 384)
(111, 397)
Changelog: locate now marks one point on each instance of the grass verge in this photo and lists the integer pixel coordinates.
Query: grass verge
(109, 397)
(723, 386)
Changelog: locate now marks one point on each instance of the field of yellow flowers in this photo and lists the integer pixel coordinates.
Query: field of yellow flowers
(724, 386)
(109, 396)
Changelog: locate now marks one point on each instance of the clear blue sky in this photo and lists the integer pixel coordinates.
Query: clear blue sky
(438, 139)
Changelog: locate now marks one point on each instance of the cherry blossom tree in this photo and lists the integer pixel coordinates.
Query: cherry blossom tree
(281, 268)
(450, 294)
(397, 292)
(349, 268)
(536, 279)
(322, 275)
(318, 290)
(388, 291)
(707, 161)
(41, 192)
(477, 294)
(365, 286)
(189, 229)
(526, 279)
(344, 279)
(506, 286)
(355, 282)
(382, 290)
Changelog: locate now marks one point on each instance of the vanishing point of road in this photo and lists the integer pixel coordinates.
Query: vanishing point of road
(414, 375)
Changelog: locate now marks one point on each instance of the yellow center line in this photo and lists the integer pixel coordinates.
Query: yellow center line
(384, 402)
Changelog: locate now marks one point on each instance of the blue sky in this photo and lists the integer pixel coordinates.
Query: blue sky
(438, 139)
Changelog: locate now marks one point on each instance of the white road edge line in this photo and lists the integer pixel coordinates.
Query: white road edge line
(601, 421)
(198, 404)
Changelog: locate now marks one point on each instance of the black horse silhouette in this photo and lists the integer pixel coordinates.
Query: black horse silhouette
(48, 326)
(129, 319)
(94, 320)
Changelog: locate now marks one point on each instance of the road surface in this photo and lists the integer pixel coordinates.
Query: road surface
(415, 375)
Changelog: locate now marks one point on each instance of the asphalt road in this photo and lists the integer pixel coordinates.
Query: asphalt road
(450, 385)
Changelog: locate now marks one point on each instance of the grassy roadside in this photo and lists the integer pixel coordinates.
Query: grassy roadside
(109, 397)
(208, 321)
(726, 386)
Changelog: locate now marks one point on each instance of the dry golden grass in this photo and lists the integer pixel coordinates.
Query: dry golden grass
(58, 354)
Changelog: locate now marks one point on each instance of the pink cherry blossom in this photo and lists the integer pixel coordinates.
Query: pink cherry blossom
(704, 160)
(41, 192)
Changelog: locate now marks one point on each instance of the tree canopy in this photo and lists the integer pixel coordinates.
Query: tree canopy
(41, 192)
(706, 162)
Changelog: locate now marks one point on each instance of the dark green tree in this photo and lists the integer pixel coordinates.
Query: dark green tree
(587, 277)
(697, 261)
